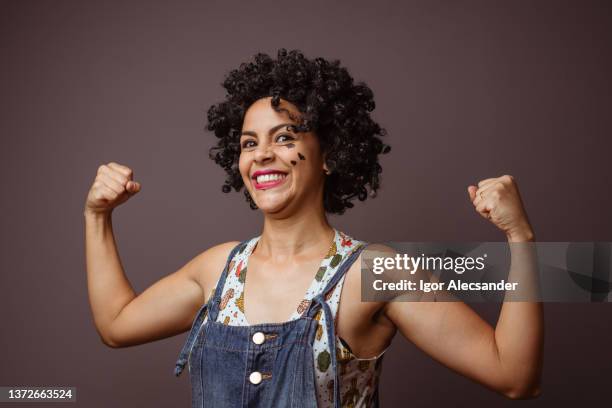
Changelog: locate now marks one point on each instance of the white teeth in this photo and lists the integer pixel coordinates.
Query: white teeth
(270, 177)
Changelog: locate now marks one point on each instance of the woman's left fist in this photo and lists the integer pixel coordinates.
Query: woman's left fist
(498, 200)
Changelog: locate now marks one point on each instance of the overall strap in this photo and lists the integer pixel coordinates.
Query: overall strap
(198, 321)
(348, 262)
(186, 350)
(213, 310)
(319, 302)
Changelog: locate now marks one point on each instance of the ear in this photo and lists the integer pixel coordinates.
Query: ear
(325, 168)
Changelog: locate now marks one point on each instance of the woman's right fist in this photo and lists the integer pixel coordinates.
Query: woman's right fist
(112, 186)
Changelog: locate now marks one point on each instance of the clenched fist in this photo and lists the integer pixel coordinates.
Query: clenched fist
(112, 186)
(498, 200)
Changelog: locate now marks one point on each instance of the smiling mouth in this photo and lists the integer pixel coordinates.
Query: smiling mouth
(266, 181)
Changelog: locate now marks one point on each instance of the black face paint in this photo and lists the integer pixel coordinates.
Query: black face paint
(293, 162)
(290, 145)
(301, 156)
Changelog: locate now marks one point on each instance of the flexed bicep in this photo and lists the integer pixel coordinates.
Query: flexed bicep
(168, 306)
(453, 334)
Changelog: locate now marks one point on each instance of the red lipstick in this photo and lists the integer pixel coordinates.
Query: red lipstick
(268, 182)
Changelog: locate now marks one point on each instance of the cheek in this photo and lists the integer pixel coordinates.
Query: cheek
(306, 162)
(243, 167)
(285, 153)
(308, 156)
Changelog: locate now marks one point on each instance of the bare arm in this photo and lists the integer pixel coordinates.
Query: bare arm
(108, 287)
(167, 307)
(506, 359)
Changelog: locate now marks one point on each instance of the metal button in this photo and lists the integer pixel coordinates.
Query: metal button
(255, 377)
(259, 338)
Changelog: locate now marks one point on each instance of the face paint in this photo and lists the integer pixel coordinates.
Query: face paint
(301, 156)
(293, 162)
(290, 145)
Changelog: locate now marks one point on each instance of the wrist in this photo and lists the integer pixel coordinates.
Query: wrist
(521, 234)
(91, 215)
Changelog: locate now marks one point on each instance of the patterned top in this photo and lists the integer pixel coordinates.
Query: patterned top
(358, 376)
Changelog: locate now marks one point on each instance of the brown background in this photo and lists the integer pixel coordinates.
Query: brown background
(466, 90)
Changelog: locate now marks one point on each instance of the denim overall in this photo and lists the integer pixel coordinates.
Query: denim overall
(262, 365)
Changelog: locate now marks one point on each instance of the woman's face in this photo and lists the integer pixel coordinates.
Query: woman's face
(281, 169)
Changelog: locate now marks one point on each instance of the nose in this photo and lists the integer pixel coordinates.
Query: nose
(263, 153)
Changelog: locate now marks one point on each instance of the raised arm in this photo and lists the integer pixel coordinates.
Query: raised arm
(508, 357)
(167, 307)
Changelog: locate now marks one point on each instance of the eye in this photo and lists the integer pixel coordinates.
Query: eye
(248, 143)
(284, 138)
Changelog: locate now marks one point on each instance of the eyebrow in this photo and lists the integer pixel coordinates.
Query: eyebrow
(270, 132)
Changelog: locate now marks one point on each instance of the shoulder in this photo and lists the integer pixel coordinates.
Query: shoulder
(218, 253)
(209, 264)
(367, 254)
(363, 264)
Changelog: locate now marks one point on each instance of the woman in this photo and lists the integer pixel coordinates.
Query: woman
(297, 134)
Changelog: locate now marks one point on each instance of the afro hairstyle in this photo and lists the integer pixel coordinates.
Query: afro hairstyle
(331, 105)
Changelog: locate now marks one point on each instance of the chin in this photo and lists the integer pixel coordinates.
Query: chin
(273, 204)
(271, 207)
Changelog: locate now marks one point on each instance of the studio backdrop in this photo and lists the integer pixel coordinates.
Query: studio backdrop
(466, 90)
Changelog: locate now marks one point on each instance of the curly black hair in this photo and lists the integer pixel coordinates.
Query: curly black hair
(331, 105)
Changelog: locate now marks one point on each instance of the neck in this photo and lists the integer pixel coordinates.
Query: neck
(302, 233)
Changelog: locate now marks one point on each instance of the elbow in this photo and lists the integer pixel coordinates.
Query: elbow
(524, 382)
(523, 392)
(109, 342)
(108, 339)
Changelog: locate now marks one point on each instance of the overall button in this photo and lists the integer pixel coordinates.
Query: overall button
(259, 338)
(255, 377)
